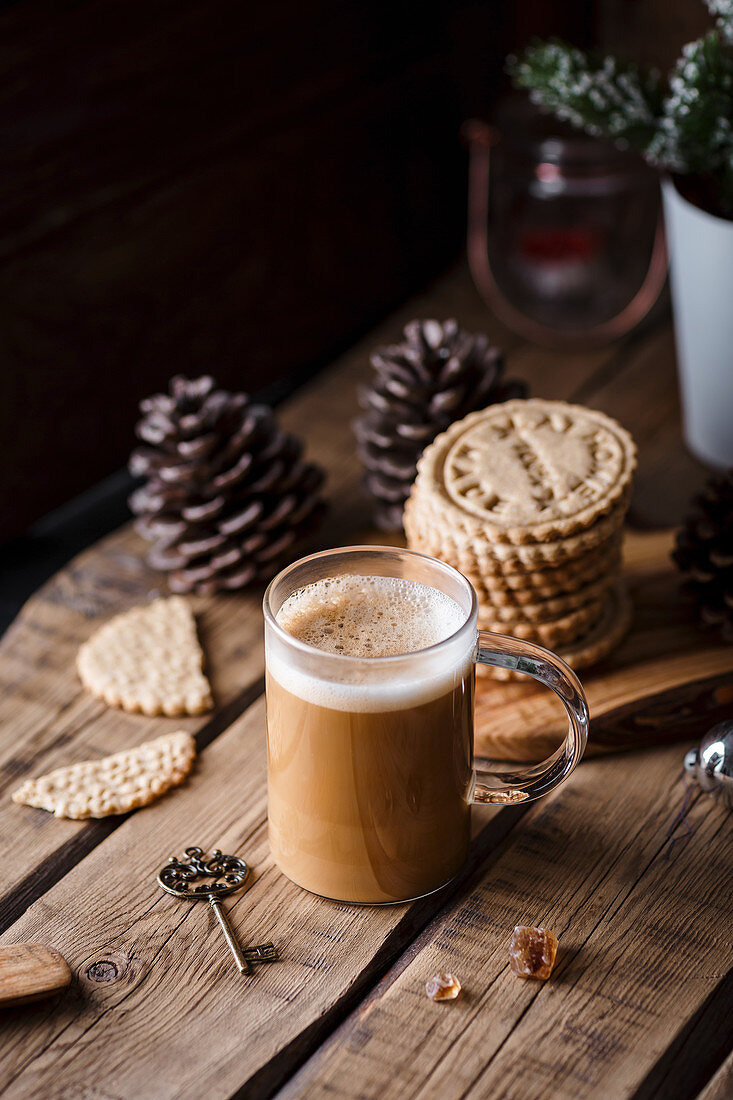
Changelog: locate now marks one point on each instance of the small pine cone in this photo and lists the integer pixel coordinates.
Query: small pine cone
(704, 554)
(226, 494)
(438, 374)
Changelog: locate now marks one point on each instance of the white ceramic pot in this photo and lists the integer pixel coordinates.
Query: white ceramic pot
(701, 273)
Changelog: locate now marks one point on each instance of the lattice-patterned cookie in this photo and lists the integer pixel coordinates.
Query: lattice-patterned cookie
(528, 471)
(115, 784)
(148, 659)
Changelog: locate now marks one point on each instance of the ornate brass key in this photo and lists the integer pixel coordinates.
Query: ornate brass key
(225, 874)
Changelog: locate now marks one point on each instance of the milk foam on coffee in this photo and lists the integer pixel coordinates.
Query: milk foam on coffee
(366, 617)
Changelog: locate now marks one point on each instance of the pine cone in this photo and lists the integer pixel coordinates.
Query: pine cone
(704, 554)
(226, 492)
(438, 374)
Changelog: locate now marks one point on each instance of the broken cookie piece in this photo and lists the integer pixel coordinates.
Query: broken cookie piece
(148, 659)
(115, 784)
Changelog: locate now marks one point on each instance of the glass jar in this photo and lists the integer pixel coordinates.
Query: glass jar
(565, 237)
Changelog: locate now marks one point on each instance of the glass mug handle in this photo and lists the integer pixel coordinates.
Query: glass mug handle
(543, 666)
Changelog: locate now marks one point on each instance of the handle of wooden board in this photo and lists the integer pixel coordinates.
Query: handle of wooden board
(502, 787)
(29, 971)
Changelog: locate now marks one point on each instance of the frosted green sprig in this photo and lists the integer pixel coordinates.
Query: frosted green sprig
(600, 95)
(683, 124)
(696, 125)
(723, 12)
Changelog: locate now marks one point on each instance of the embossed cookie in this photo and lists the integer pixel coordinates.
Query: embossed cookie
(528, 500)
(115, 784)
(148, 659)
(528, 471)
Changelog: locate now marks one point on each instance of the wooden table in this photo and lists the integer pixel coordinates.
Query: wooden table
(641, 1001)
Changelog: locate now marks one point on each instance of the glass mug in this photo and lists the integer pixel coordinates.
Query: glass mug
(370, 759)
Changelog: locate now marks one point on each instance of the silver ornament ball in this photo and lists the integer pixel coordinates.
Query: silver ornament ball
(711, 764)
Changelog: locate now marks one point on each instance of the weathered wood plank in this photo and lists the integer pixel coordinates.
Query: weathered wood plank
(157, 997)
(165, 994)
(696, 1050)
(720, 1087)
(644, 943)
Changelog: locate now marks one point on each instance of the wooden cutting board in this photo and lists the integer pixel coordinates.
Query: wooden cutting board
(667, 681)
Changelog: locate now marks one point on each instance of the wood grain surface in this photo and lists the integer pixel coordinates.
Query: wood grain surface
(619, 994)
(156, 1000)
(720, 1087)
(171, 965)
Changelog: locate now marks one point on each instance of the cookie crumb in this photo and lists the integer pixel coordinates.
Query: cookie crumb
(115, 784)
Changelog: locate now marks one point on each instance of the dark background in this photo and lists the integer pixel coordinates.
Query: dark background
(230, 187)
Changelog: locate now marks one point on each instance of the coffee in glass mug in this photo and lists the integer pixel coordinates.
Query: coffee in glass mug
(370, 659)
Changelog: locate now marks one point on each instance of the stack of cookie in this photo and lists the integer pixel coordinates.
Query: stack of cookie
(527, 499)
